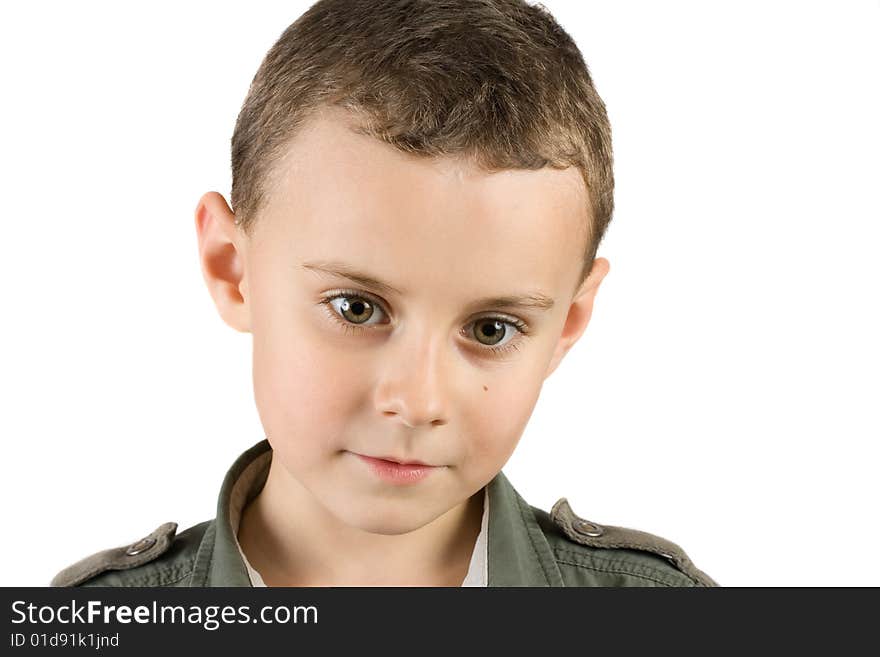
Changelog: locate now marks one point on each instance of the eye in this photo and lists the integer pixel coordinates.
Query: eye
(490, 331)
(355, 309)
(494, 331)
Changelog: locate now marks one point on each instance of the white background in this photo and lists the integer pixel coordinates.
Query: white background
(724, 396)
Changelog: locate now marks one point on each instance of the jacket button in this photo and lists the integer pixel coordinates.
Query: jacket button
(587, 528)
(140, 546)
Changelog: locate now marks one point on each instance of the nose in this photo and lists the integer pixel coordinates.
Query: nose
(413, 386)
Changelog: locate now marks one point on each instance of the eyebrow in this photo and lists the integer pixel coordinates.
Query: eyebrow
(533, 300)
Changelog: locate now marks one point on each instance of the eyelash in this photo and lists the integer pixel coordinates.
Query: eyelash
(513, 345)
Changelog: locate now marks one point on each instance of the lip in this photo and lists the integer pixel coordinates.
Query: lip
(394, 472)
(394, 460)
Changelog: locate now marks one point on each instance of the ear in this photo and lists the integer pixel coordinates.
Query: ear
(579, 312)
(221, 255)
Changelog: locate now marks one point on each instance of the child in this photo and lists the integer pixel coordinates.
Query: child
(419, 191)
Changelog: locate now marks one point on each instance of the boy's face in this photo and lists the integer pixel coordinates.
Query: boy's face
(343, 368)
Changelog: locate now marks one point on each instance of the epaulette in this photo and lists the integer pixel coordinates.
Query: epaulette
(135, 554)
(595, 535)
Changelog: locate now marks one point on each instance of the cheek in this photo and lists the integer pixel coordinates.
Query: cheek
(303, 390)
(498, 417)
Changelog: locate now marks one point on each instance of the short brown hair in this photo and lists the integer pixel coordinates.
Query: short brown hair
(495, 81)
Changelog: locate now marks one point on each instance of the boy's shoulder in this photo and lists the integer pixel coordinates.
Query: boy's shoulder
(529, 546)
(161, 558)
(590, 554)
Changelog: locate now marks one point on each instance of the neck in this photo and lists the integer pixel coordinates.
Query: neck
(292, 540)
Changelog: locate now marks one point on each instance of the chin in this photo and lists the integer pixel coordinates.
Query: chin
(378, 520)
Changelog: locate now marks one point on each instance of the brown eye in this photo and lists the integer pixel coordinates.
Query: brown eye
(355, 309)
(490, 332)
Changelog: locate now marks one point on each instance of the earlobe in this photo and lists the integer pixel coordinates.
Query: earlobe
(579, 313)
(221, 260)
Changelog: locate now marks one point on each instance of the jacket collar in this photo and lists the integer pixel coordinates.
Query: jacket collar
(519, 554)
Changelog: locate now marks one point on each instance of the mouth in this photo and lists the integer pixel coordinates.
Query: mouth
(393, 471)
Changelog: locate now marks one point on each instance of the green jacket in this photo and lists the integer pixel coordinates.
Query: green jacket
(526, 546)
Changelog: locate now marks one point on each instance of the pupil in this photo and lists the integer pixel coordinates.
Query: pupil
(357, 307)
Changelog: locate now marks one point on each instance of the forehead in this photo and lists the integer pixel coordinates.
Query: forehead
(341, 195)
